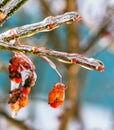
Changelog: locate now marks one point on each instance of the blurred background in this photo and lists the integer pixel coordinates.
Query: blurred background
(89, 103)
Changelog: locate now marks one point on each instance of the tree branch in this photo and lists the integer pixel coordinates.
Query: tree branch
(69, 58)
(10, 9)
(73, 72)
(47, 24)
(3, 3)
(93, 38)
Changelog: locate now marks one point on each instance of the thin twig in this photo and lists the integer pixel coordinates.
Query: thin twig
(3, 66)
(69, 58)
(45, 7)
(53, 66)
(10, 9)
(93, 38)
(16, 123)
(47, 24)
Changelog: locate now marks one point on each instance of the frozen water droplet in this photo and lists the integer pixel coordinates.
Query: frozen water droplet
(14, 85)
(25, 73)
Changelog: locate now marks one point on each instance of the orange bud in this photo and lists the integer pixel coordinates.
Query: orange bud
(57, 95)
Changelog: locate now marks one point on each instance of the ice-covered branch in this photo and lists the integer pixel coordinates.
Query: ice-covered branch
(3, 3)
(69, 58)
(47, 24)
(10, 9)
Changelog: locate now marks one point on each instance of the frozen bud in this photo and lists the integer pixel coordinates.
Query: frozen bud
(57, 95)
